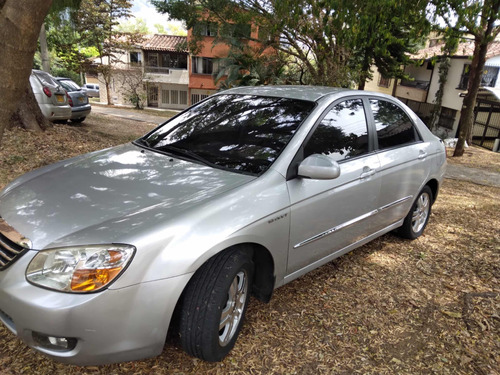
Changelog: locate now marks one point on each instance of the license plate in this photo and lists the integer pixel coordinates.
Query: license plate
(60, 98)
(81, 99)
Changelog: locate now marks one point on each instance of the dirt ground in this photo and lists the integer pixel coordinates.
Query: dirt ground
(430, 306)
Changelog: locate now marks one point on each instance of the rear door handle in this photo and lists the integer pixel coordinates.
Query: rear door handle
(422, 154)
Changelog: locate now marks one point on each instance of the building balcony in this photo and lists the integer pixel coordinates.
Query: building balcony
(166, 75)
(413, 90)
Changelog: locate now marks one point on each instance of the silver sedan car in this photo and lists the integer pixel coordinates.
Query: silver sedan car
(236, 196)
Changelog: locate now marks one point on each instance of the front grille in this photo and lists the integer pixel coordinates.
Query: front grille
(12, 245)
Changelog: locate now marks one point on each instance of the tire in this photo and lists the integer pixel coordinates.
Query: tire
(78, 120)
(214, 305)
(416, 220)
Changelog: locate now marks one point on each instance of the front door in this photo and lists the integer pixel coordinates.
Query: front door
(153, 96)
(328, 215)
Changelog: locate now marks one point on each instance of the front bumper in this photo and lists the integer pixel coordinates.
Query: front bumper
(111, 326)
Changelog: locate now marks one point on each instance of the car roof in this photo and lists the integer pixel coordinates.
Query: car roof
(311, 93)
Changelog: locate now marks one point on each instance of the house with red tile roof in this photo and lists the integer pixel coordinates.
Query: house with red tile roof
(165, 71)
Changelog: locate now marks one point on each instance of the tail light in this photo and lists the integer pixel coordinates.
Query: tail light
(47, 92)
(70, 101)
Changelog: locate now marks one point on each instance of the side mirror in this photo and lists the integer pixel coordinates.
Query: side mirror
(319, 167)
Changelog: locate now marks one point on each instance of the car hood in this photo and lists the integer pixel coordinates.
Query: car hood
(57, 201)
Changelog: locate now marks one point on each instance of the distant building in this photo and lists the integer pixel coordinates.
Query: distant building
(171, 77)
(419, 93)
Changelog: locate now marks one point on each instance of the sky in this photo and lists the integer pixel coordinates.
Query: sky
(143, 9)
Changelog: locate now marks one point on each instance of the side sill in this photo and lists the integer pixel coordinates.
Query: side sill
(341, 252)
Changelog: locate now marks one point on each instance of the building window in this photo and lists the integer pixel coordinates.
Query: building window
(152, 59)
(183, 97)
(135, 58)
(206, 29)
(174, 60)
(203, 65)
(175, 96)
(240, 30)
(195, 98)
(165, 96)
(384, 82)
(488, 78)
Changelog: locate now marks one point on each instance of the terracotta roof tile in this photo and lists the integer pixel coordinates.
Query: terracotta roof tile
(464, 49)
(160, 42)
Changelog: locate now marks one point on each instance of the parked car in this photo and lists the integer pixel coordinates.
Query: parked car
(77, 99)
(240, 194)
(50, 96)
(91, 89)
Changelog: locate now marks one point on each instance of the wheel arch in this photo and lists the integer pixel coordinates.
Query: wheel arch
(434, 186)
(263, 283)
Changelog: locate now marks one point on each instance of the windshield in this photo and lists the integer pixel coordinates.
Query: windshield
(242, 133)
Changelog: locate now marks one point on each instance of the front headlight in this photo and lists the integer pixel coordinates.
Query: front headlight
(79, 268)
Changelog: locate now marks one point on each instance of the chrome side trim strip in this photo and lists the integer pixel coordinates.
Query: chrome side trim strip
(352, 222)
(340, 252)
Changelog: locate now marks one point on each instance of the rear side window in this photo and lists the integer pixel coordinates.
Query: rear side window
(394, 127)
(342, 134)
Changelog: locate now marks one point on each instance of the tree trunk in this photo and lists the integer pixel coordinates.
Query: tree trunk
(28, 115)
(20, 23)
(44, 50)
(486, 33)
(467, 117)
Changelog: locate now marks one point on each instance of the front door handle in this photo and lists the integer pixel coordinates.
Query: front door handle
(367, 172)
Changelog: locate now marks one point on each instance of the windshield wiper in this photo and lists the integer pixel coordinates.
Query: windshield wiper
(190, 154)
(143, 142)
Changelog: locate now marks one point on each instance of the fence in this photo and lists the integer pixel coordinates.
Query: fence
(424, 111)
(486, 123)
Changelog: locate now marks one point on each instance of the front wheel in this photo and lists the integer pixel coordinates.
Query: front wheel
(416, 220)
(214, 305)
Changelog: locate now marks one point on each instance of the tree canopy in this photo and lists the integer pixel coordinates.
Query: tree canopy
(333, 42)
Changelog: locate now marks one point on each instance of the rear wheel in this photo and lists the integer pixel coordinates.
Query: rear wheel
(214, 305)
(416, 220)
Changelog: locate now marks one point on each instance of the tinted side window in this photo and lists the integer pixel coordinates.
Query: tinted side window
(342, 133)
(394, 127)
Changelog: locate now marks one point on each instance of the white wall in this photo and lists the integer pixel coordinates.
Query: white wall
(451, 98)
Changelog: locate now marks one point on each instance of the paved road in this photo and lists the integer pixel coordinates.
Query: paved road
(456, 172)
(476, 175)
(131, 114)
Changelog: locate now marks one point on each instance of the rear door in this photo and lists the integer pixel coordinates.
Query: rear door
(402, 155)
(328, 215)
